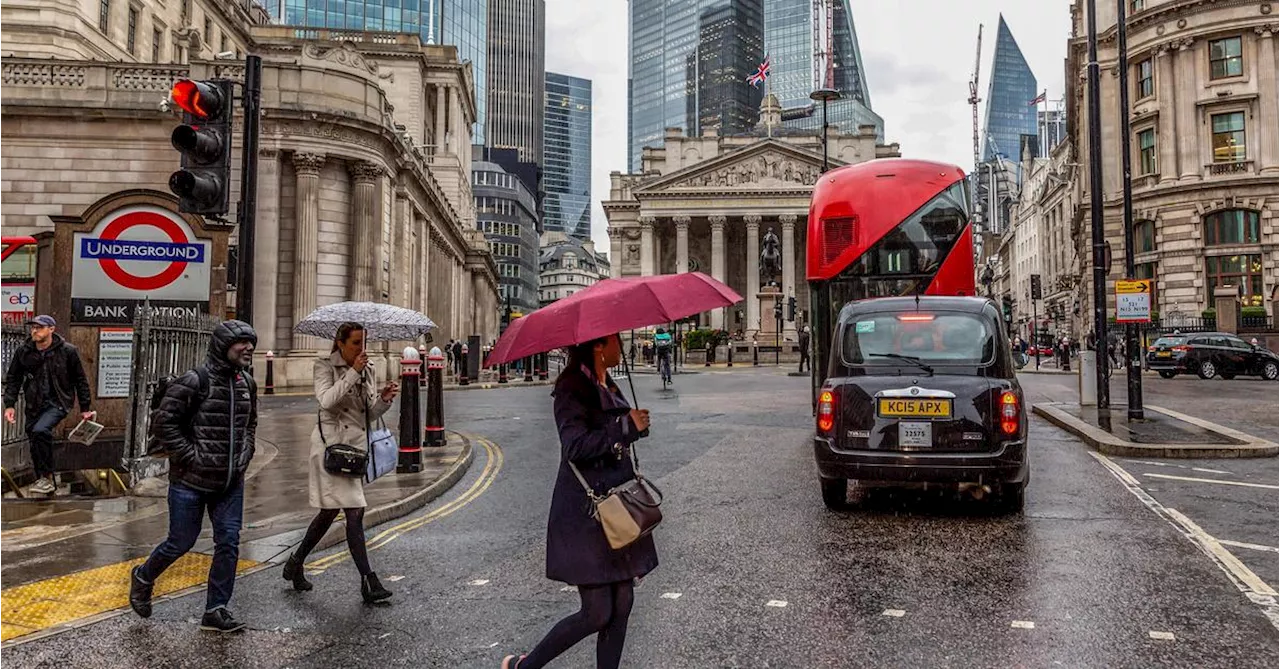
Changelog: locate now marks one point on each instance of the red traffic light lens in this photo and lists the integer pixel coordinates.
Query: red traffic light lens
(199, 98)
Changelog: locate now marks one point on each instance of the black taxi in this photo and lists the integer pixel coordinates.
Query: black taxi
(922, 390)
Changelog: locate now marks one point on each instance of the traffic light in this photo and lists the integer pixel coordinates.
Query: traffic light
(1037, 293)
(203, 185)
(791, 308)
(1006, 304)
(777, 310)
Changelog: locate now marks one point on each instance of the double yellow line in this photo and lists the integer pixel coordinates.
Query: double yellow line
(486, 479)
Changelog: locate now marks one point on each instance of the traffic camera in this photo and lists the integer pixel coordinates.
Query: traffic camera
(203, 185)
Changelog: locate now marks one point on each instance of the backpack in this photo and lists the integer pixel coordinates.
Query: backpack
(155, 448)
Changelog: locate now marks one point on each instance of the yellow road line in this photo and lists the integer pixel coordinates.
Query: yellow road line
(33, 607)
(481, 484)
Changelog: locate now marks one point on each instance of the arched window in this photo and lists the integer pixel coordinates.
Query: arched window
(1144, 236)
(1231, 226)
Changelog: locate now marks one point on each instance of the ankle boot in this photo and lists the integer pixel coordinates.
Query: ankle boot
(371, 589)
(294, 572)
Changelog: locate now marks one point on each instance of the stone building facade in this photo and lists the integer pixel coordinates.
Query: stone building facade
(704, 204)
(364, 166)
(567, 265)
(1204, 119)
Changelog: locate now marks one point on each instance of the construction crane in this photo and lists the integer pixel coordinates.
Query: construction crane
(973, 97)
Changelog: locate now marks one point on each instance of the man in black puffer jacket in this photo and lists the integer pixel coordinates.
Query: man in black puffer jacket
(208, 430)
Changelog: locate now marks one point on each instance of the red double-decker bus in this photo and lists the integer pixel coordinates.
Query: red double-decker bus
(882, 228)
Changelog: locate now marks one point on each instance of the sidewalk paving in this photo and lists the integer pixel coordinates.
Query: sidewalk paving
(48, 539)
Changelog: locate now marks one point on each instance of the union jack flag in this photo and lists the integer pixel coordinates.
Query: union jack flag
(1039, 98)
(760, 74)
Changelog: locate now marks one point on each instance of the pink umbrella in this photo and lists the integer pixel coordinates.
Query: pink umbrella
(609, 307)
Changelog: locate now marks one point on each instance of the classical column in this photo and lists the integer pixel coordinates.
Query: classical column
(646, 245)
(753, 272)
(1168, 166)
(1269, 152)
(1190, 166)
(440, 119)
(266, 250)
(306, 240)
(366, 230)
(717, 265)
(423, 267)
(682, 244)
(788, 222)
(615, 252)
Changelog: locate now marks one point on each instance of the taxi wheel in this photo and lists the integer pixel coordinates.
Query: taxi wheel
(1168, 375)
(1207, 370)
(1270, 371)
(835, 493)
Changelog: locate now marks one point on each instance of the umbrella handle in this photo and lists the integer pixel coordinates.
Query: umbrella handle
(631, 382)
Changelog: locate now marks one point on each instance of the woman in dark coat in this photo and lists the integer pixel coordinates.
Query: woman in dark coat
(597, 429)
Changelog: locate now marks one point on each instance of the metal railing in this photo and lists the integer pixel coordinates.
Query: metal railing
(12, 337)
(163, 345)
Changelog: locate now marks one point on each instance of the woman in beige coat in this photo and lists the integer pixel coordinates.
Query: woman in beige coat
(349, 402)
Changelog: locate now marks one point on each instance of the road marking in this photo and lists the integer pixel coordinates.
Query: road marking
(1196, 480)
(1255, 547)
(1023, 624)
(479, 581)
(1243, 573)
(671, 595)
(1209, 471)
(482, 483)
(1162, 636)
(895, 613)
(569, 588)
(393, 579)
(776, 603)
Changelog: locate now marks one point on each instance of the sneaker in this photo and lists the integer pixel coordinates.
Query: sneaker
(220, 620)
(139, 593)
(512, 661)
(43, 486)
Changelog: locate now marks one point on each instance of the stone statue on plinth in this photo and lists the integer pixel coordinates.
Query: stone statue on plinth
(770, 258)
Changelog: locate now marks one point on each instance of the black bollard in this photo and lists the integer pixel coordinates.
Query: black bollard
(543, 375)
(410, 459)
(755, 353)
(729, 362)
(528, 369)
(435, 399)
(462, 369)
(502, 373)
(422, 378)
(269, 386)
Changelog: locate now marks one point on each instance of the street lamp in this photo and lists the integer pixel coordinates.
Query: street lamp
(825, 95)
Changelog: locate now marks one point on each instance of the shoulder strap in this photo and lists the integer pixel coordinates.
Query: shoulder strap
(202, 393)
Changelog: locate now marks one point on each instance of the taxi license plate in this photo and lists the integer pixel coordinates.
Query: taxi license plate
(914, 407)
(1164, 354)
(915, 435)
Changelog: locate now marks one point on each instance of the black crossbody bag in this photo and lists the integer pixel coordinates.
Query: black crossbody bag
(344, 459)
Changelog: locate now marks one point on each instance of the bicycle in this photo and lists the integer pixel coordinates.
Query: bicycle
(664, 370)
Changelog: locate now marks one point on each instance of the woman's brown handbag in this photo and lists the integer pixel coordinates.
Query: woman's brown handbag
(627, 512)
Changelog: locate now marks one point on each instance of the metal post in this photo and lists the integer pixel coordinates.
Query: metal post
(1095, 214)
(435, 398)
(777, 332)
(247, 211)
(528, 369)
(269, 388)
(1133, 374)
(1035, 340)
(825, 165)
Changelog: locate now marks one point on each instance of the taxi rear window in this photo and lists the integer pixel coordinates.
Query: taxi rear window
(1170, 341)
(942, 338)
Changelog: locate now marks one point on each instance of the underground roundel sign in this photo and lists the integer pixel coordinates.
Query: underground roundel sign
(141, 252)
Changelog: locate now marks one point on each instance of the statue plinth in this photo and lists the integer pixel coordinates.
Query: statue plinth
(770, 295)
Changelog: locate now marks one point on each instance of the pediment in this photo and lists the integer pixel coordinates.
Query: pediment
(767, 165)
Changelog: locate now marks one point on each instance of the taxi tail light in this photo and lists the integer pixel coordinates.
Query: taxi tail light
(1151, 349)
(916, 318)
(1009, 412)
(826, 411)
(1181, 348)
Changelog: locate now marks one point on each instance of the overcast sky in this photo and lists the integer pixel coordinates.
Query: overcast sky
(918, 56)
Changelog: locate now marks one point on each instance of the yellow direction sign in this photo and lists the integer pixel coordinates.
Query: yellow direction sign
(1133, 301)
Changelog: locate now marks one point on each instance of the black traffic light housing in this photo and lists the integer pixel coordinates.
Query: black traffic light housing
(791, 308)
(1006, 306)
(1037, 291)
(203, 184)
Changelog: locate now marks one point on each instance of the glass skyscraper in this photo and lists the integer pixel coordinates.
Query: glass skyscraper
(516, 86)
(1010, 112)
(665, 87)
(566, 156)
(466, 25)
(730, 40)
(420, 17)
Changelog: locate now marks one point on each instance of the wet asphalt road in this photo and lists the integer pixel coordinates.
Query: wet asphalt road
(1083, 579)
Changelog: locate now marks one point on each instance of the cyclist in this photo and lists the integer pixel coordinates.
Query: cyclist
(662, 342)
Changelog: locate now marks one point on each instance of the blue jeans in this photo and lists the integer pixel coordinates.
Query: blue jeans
(186, 515)
(40, 437)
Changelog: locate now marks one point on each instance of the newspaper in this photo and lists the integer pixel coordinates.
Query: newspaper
(85, 432)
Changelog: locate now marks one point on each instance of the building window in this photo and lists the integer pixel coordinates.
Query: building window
(104, 15)
(1137, 5)
(1228, 137)
(1224, 58)
(1146, 83)
(208, 30)
(131, 34)
(1233, 226)
(222, 45)
(1243, 271)
(1144, 237)
(1147, 151)
(157, 41)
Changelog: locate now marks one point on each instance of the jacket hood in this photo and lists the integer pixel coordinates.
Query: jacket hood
(224, 335)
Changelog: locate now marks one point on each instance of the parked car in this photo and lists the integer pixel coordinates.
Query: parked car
(1210, 354)
(922, 391)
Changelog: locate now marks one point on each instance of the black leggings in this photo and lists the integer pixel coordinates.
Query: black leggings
(605, 609)
(355, 536)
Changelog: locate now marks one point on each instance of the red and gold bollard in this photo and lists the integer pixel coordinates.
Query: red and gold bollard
(435, 398)
(410, 459)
